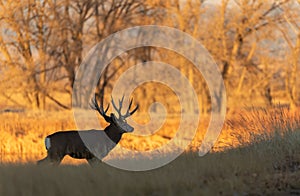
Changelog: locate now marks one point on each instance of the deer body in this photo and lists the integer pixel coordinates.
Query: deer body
(92, 145)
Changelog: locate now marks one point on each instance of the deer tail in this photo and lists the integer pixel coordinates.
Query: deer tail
(47, 143)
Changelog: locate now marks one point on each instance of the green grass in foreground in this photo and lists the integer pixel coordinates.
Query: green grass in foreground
(269, 166)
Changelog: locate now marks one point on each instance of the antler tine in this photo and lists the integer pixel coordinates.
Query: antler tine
(128, 113)
(113, 103)
(121, 103)
(100, 109)
(130, 104)
(135, 109)
(106, 109)
(93, 105)
(116, 108)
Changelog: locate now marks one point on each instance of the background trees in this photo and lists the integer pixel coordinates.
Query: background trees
(255, 42)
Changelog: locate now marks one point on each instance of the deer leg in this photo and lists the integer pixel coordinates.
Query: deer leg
(50, 160)
(43, 161)
(94, 161)
(56, 161)
(55, 158)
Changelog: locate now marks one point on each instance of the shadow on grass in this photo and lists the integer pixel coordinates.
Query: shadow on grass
(269, 165)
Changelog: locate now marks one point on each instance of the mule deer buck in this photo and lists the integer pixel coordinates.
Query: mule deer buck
(92, 145)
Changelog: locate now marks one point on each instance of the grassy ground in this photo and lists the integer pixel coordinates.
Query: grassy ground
(22, 134)
(268, 167)
(258, 153)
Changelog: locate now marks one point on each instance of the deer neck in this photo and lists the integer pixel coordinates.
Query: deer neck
(113, 133)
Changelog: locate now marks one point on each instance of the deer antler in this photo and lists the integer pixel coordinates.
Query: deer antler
(94, 105)
(128, 113)
(120, 105)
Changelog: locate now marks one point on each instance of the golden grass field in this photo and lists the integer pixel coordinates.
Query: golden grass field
(258, 152)
(22, 134)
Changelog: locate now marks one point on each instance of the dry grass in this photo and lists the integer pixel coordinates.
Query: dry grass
(259, 169)
(244, 127)
(267, 160)
(22, 134)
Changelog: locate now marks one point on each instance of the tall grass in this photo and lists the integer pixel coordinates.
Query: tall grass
(258, 153)
(245, 127)
(249, 170)
(22, 134)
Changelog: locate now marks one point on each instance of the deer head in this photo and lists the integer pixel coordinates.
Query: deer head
(119, 122)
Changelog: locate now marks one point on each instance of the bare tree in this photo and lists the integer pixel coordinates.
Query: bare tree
(291, 34)
(237, 33)
(45, 41)
(26, 34)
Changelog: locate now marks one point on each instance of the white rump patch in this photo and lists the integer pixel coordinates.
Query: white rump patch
(47, 143)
